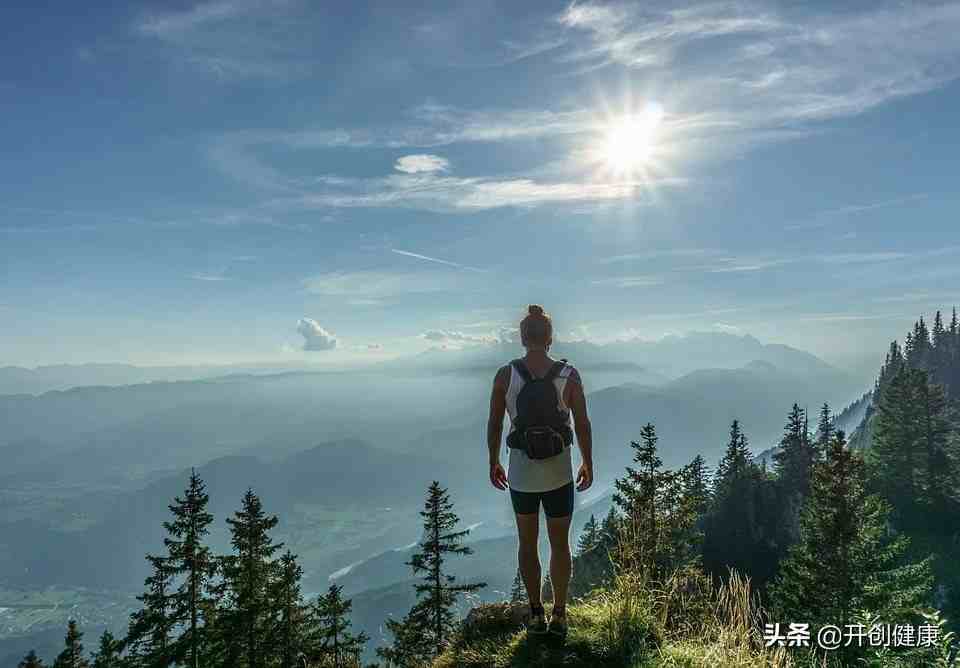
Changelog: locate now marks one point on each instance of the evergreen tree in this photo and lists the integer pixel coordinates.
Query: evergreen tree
(546, 591)
(743, 521)
(518, 592)
(191, 560)
(793, 462)
(693, 506)
(825, 432)
(245, 620)
(912, 463)
(845, 561)
(736, 461)
(31, 660)
(292, 626)
(648, 497)
(590, 537)
(594, 568)
(72, 654)
(433, 614)
(108, 653)
(334, 641)
(148, 637)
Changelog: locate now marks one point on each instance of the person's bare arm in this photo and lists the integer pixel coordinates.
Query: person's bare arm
(577, 402)
(498, 406)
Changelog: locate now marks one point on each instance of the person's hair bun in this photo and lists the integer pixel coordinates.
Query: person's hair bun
(535, 309)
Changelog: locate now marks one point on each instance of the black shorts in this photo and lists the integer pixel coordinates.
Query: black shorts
(556, 503)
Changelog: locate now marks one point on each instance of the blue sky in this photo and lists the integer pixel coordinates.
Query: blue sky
(235, 180)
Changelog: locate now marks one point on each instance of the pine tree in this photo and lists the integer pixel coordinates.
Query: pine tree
(939, 484)
(794, 463)
(108, 653)
(693, 506)
(191, 560)
(735, 463)
(433, 614)
(546, 590)
(288, 639)
(72, 654)
(31, 660)
(825, 431)
(245, 619)
(518, 592)
(648, 497)
(939, 351)
(594, 568)
(845, 561)
(148, 637)
(912, 463)
(743, 520)
(334, 641)
(589, 537)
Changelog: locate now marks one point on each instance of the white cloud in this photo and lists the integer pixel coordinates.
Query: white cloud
(209, 277)
(315, 337)
(760, 65)
(629, 281)
(233, 39)
(456, 338)
(449, 194)
(369, 287)
(450, 336)
(420, 163)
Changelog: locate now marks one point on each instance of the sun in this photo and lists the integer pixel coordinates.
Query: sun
(629, 142)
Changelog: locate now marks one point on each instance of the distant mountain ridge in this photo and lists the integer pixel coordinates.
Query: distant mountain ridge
(661, 359)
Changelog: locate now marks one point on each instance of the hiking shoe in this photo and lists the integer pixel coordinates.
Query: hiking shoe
(538, 623)
(558, 627)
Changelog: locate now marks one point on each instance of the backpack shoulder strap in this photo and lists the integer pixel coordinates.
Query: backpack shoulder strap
(522, 369)
(556, 369)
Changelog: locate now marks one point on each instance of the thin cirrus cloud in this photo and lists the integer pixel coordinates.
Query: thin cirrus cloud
(826, 217)
(227, 39)
(767, 65)
(371, 286)
(740, 76)
(453, 194)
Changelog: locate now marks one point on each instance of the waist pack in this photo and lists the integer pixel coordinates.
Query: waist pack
(541, 429)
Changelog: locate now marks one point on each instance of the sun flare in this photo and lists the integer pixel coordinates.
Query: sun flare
(630, 142)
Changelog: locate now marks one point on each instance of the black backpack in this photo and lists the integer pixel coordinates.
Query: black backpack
(541, 429)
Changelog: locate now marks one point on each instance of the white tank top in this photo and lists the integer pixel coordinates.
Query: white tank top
(537, 475)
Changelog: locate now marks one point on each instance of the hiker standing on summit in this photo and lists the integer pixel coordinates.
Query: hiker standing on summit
(539, 393)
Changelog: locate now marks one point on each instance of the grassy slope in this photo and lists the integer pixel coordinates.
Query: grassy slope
(626, 627)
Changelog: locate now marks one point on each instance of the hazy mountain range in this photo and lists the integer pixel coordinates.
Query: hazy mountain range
(344, 457)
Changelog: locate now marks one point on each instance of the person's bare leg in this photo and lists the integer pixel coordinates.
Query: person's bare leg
(528, 557)
(561, 563)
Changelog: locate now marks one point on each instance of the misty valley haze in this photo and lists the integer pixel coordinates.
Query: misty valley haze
(343, 457)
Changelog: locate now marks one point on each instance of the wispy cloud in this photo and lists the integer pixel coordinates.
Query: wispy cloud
(450, 336)
(379, 285)
(448, 193)
(233, 39)
(763, 66)
(629, 281)
(209, 277)
(660, 253)
(824, 218)
(427, 258)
